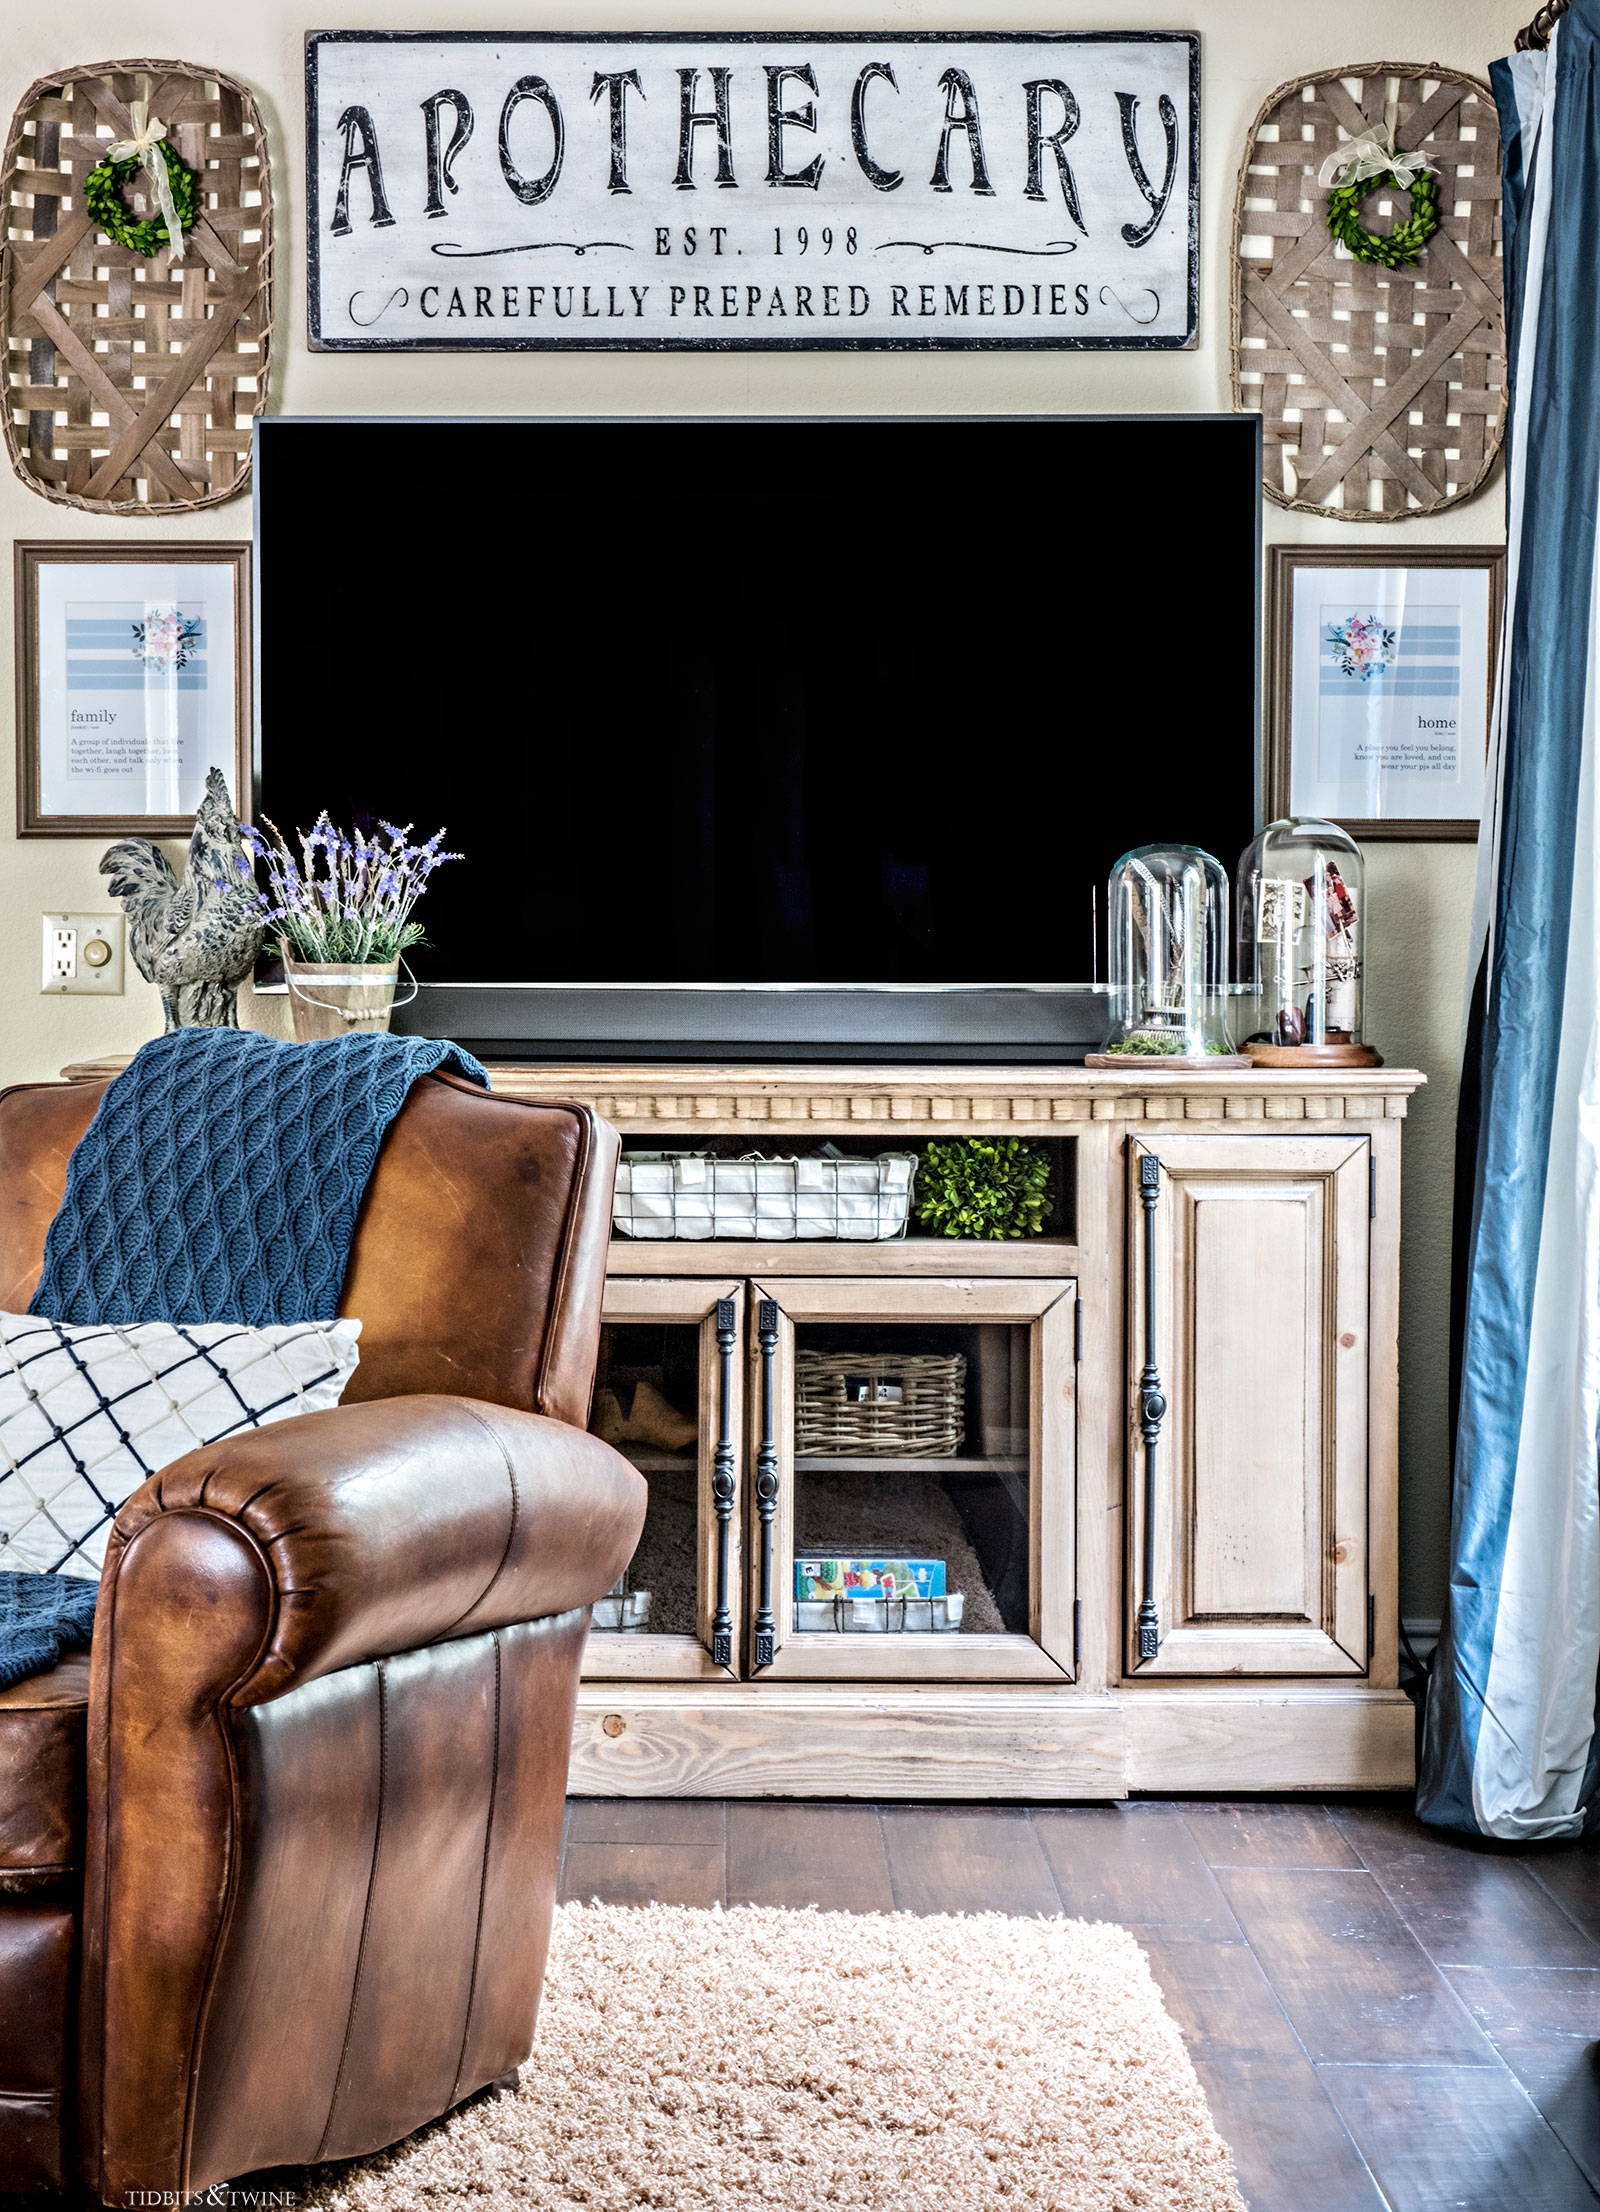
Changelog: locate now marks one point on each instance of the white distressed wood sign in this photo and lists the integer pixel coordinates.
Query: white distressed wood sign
(479, 190)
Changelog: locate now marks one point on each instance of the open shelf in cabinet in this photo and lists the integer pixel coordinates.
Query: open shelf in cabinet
(919, 1252)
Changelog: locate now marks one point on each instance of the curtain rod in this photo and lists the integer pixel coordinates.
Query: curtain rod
(1537, 35)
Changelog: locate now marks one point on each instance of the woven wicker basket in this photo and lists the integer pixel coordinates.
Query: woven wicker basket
(1381, 389)
(133, 379)
(839, 1412)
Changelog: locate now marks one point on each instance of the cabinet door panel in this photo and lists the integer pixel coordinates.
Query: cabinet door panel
(678, 1340)
(1253, 1413)
(992, 1507)
(1260, 1541)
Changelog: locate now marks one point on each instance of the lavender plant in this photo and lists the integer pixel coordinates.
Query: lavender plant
(358, 908)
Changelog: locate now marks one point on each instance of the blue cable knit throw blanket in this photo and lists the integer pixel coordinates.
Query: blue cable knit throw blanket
(41, 1618)
(221, 1177)
(219, 1180)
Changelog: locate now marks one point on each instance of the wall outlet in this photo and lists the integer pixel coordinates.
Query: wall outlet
(83, 952)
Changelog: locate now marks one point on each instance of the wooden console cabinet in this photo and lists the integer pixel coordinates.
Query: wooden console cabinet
(1263, 1212)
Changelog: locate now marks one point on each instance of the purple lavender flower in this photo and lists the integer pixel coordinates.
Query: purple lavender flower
(359, 906)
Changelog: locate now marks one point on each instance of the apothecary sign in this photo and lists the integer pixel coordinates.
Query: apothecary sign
(477, 190)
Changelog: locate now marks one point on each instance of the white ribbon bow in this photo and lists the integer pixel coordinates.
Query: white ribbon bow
(1373, 154)
(145, 148)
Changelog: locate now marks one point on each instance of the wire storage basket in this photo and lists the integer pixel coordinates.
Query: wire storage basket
(627, 1611)
(693, 1195)
(903, 1405)
(875, 1613)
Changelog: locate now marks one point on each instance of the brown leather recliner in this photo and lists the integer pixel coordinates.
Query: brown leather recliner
(278, 1858)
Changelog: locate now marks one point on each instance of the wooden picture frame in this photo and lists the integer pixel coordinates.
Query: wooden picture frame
(217, 733)
(1289, 786)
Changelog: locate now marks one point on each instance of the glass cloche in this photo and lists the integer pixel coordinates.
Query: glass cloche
(1302, 912)
(1168, 929)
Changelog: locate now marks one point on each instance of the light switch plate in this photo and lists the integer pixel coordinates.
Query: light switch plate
(83, 953)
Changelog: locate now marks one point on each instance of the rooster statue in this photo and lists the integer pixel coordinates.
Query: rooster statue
(195, 940)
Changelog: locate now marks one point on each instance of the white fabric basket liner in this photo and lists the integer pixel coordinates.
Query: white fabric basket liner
(692, 1195)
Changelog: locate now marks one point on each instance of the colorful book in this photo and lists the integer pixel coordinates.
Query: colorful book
(817, 1576)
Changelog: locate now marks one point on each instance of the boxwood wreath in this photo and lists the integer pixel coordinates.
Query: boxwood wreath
(1399, 247)
(984, 1187)
(102, 196)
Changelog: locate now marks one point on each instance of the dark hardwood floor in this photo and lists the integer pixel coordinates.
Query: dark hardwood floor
(1381, 2016)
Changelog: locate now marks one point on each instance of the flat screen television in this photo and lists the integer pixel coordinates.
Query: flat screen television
(763, 738)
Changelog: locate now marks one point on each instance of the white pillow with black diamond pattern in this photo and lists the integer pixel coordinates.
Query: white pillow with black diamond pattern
(88, 1413)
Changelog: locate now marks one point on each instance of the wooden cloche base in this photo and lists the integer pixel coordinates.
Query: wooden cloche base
(1313, 1056)
(1166, 1063)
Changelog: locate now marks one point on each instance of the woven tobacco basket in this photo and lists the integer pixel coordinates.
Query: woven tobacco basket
(130, 382)
(1382, 390)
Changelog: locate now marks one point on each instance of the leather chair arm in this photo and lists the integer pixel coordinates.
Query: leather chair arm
(379, 1528)
(235, 1577)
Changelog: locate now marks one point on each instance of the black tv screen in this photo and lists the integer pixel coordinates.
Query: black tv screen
(814, 701)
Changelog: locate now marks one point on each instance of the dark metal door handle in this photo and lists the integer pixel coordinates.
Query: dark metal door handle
(723, 1488)
(1152, 1408)
(766, 1629)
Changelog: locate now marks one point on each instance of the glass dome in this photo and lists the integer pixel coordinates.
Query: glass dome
(1168, 926)
(1302, 910)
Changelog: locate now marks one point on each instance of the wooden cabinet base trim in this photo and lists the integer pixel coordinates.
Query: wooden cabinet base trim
(1218, 1741)
(772, 1739)
(777, 1740)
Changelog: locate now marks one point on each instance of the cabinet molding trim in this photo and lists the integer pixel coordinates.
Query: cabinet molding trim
(730, 1101)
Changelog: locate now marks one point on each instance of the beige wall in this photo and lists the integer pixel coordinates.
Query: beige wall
(1419, 894)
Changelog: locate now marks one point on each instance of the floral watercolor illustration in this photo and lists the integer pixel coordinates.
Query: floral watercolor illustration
(1361, 646)
(167, 641)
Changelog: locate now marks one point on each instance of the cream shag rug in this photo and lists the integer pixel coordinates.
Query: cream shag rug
(693, 2061)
